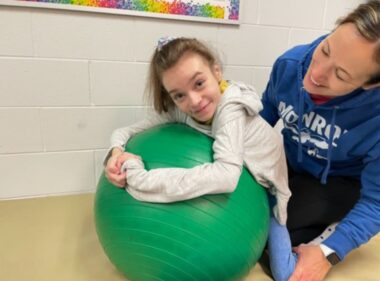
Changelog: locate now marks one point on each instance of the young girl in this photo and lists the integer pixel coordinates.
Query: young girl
(187, 87)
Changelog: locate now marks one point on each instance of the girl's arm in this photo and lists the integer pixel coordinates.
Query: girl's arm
(266, 160)
(176, 184)
(119, 139)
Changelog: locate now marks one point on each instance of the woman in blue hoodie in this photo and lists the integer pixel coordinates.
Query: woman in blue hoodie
(327, 94)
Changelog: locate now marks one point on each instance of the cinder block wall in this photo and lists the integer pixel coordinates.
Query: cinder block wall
(67, 79)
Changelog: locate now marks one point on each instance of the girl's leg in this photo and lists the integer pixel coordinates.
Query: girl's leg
(282, 259)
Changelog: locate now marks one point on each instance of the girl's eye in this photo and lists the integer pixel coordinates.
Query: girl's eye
(178, 97)
(199, 83)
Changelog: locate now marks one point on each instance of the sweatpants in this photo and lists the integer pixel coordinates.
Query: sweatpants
(313, 205)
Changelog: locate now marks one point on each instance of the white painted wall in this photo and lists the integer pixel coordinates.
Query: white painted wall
(67, 79)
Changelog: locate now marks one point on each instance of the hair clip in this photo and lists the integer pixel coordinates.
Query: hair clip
(163, 41)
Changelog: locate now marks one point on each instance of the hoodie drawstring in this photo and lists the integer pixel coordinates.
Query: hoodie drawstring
(330, 137)
(329, 148)
(299, 124)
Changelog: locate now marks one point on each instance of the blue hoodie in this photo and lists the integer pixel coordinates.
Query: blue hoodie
(338, 138)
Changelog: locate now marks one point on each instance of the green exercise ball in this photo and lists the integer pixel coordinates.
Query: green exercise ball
(213, 237)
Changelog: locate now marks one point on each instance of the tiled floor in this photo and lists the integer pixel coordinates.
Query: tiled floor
(54, 239)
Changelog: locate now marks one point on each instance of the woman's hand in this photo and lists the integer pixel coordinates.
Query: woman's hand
(312, 264)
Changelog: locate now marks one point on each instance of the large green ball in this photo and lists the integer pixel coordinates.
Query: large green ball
(214, 237)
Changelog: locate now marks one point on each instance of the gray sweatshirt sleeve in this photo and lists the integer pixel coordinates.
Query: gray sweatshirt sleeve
(265, 158)
(176, 184)
(120, 137)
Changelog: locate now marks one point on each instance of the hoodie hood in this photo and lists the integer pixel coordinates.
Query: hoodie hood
(237, 96)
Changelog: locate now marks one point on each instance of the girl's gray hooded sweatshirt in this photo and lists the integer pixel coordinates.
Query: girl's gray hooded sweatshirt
(241, 136)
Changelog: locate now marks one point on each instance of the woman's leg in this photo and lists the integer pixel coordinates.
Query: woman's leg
(313, 206)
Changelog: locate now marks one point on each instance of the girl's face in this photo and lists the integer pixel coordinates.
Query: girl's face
(341, 63)
(194, 86)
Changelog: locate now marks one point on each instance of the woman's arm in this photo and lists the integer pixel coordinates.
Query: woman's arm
(360, 225)
(363, 221)
(270, 112)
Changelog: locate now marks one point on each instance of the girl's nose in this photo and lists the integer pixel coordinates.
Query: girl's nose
(194, 98)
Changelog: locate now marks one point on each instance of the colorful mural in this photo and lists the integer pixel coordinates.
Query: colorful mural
(215, 9)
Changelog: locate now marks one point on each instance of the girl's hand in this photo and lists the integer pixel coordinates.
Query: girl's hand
(124, 157)
(113, 169)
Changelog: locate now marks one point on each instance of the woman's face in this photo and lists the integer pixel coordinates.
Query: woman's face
(341, 63)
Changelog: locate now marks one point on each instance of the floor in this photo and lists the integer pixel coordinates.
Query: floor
(54, 238)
